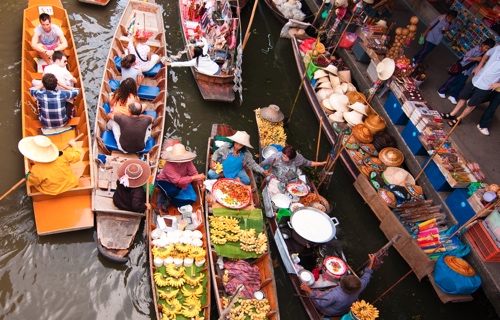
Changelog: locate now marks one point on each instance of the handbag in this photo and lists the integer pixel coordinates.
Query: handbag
(457, 68)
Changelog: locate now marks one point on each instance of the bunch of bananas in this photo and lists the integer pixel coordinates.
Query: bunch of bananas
(175, 272)
(218, 168)
(270, 132)
(364, 310)
(167, 293)
(224, 229)
(191, 307)
(194, 279)
(171, 309)
(192, 291)
(248, 308)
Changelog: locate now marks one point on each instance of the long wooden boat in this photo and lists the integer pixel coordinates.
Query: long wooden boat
(70, 210)
(116, 228)
(96, 2)
(328, 129)
(163, 252)
(213, 87)
(262, 262)
(276, 12)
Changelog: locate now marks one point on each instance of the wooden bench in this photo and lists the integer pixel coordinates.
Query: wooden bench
(150, 42)
(71, 123)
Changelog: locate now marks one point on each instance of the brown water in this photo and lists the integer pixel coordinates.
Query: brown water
(63, 277)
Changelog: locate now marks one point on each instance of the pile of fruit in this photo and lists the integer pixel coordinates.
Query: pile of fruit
(270, 132)
(364, 311)
(248, 308)
(224, 229)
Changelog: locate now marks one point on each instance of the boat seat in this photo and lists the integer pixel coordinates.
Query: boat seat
(150, 73)
(151, 113)
(110, 142)
(151, 42)
(71, 123)
(144, 92)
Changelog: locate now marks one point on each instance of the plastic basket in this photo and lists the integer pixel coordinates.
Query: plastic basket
(483, 243)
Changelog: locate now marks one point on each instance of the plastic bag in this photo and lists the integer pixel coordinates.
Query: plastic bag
(421, 40)
(348, 40)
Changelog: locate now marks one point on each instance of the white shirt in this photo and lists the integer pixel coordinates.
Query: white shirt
(143, 50)
(490, 72)
(62, 74)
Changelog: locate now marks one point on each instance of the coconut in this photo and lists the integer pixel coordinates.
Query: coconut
(197, 242)
(414, 20)
(197, 234)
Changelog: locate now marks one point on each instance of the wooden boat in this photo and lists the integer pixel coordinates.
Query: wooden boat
(213, 87)
(116, 228)
(264, 262)
(96, 2)
(328, 129)
(153, 221)
(74, 206)
(276, 12)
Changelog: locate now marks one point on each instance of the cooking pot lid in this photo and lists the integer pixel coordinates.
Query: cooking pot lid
(313, 225)
(281, 200)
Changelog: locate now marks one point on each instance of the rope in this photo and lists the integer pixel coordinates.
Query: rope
(269, 46)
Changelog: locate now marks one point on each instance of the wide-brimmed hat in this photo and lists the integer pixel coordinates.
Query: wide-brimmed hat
(339, 102)
(320, 74)
(345, 76)
(241, 137)
(399, 176)
(133, 173)
(326, 104)
(355, 96)
(375, 123)
(386, 68)
(272, 113)
(177, 153)
(38, 148)
(362, 134)
(336, 117)
(334, 80)
(350, 87)
(353, 117)
(338, 89)
(391, 157)
(323, 94)
(143, 34)
(359, 107)
(332, 69)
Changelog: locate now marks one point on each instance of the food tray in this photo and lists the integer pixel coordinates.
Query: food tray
(231, 193)
(297, 189)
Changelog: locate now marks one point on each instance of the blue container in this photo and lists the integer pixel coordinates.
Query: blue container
(459, 206)
(395, 110)
(360, 53)
(410, 135)
(436, 178)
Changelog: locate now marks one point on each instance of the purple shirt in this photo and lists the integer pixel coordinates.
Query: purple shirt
(178, 173)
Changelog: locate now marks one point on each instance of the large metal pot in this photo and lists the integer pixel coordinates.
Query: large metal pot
(313, 225)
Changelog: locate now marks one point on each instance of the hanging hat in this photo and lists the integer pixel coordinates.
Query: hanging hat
(143, 34)
(133, 173)
(334, 80)
(241, 137)
(375, 123)
(331, 68)
(177, 153)
(339, 102)
(385, 69)
(353, 117)
(355, 96)
(361, 133)
(320, 74)
(391, 157)
(38, 148)
(323, 94)
(381, 23)
(336, 117)
(399, 176)
(359, 107)
(388, 197)
(272, 113)
(326, 103)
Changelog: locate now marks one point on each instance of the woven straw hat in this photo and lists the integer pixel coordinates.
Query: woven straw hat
(399, 176)
(38, 148)
(339, 102)
(320, 74)
(375, 123)
(325, 85)
(241, 137)
(355, 96)
(362, 134)
(177, 153)
(359, 107)
(326, 103)
(386, 68)
(353, 117)
(336, 117)
(332, 69)
(391, 157)
(323, 94)
(272, 113)
(334, 80)
(321, 80)
(133, 172)
(345, 75)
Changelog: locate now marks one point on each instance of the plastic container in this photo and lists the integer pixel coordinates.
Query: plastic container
(282, 212)
(483, 243)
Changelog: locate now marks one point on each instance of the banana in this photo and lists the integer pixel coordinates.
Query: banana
(192, 291)
(218, 167)
(168, 293)
(175, 272)
(171, 309)
(364, 310)
(175, 282)
(194, 279)
(160, 279)
(191, 307)
(181, 247)
(196, 252)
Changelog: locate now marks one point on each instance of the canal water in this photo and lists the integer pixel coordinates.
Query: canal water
(63, 277)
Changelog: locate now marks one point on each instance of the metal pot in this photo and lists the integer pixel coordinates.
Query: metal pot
(313, 225)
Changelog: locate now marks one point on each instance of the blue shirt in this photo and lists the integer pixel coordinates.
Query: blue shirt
(472, 53)
(436, 34)
(52, 110)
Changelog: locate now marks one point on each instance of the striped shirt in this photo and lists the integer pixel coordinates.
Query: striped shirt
(52, 106)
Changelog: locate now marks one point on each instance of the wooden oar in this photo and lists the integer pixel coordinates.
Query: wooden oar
(147, 185)
(319, 138)
(247, 33)
(20, 182)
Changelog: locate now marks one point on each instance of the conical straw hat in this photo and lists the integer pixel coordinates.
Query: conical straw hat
(353, 117)
(241, 137)
(38, 148)
(323, 94)
(320, 74)
(386, 68)
(272, 113)
(331, 68)
(359, 107)
(336, 117)
(178, 153)
(339, 102)
(335, 81)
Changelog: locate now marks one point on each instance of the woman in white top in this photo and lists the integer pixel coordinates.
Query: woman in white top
(138, 47)
(201, 61)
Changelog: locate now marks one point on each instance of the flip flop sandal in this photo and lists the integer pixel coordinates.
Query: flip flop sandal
(452, 122)
(447, 116)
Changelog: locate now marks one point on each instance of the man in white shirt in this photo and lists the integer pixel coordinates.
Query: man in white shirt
(65, 80)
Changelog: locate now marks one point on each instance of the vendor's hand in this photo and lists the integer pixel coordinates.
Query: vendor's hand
(167, 63)
(323, 163)
(199, 176)
(372, 260)
(305, 288)
(72, 142)
(148, 206)
(494, 86)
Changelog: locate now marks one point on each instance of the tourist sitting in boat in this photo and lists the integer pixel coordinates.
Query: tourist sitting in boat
(48, 38)
(201, 61)
(131, 131)
(65, 80)
(51, 169)
(176, 176)
(337, 301)
(285, 165)
(129, 194)
(54, 106)
(123, 96)
(234, 158)
(146, 60)
(130, 69)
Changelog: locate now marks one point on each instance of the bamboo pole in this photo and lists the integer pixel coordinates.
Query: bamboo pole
(319, 138)
(319, 12)
(247, 33)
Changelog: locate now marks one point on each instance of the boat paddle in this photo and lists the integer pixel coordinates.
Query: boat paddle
(20, 182)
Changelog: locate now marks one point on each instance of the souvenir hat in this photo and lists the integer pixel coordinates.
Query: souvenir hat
(38, 148)
(365, 170)
(324, 79)
(177, 153)
(415, 191)
(391, 157)
(272, 113)
(353, 117)
(241, 137)
(143, 34)
(345, 75)
(350, 87)
(399, 176)
(133, 173)
(351, 142)
(381, 23)
(362, 134)
(336, 117)
(375, 123)
(375, 163)
(344, 87)
(323, 94)
(459, 265)
(388, 197)
(331, 68)
(369, 148)
(325, 85)
(339, 101)
(326, 103)
(359, 107)
(338, 89)
(320, 74)
(386, 68)
(356, 156)
(355, 96)
(334, 80)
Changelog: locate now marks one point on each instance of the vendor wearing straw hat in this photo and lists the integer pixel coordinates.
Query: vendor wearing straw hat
(129, 194)
(51, 170)
(176, 176)
(234, 158)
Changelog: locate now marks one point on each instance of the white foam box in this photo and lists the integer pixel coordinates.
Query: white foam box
(419, 113)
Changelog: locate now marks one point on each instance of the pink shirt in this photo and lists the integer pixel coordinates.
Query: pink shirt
(178, 173)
